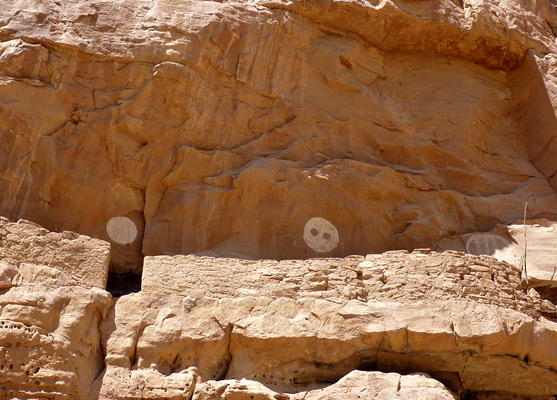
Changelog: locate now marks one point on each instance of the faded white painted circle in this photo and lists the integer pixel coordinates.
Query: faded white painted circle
(320, 235)
(485, 243)
(121, 230)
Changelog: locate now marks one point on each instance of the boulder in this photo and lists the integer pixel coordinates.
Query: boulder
(52, 301)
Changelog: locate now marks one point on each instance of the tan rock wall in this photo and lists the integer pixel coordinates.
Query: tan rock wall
(75, 260)
(275, 130)
(538, 238)
(216, 328)
(52, 301)
(536, 115)
(392, 276)
(294, 324)
(225, 128)
(50, 343)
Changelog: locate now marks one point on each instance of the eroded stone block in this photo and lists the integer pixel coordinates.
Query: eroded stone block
(68, 258)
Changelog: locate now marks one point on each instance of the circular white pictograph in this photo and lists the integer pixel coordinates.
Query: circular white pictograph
(320, 235)
(485, 243)
(121, 230)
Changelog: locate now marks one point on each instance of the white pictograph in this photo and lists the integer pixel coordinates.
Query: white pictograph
(485, 243)
(320, 235)
(121, 230)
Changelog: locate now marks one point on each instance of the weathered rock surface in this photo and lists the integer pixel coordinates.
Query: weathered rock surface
(355, 385)
(509, 242)
(223, 128)
(291, 325)
(75, 260)
(284, 130)
(355, 327)
(50, 309)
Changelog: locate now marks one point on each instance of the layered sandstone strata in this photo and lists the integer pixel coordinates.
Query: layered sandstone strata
(300, 326)
(398, 325)
(78, 260)
(52, 301)
(225, 128)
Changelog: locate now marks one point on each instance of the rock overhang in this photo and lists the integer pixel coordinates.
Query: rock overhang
(394, 147)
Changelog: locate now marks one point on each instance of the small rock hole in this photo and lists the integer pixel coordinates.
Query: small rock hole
(122, 284)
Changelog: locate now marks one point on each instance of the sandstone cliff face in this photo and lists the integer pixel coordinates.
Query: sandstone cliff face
(188, 139)
(393, 326)
(227, 128)
(290, 324)
(52, 300)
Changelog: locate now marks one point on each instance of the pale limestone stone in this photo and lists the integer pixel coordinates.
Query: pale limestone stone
(355, 385)
(50, 341)
(8, 275)
(269, 333)
(404, 277)
(51, 304)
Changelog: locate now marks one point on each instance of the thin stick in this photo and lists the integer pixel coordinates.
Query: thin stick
(525, 243)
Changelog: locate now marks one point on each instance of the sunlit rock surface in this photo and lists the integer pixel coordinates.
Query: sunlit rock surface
(52, 301)
(295, 326)
(220, 328)
(224, 128)
(537, 239)
(221, 147)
